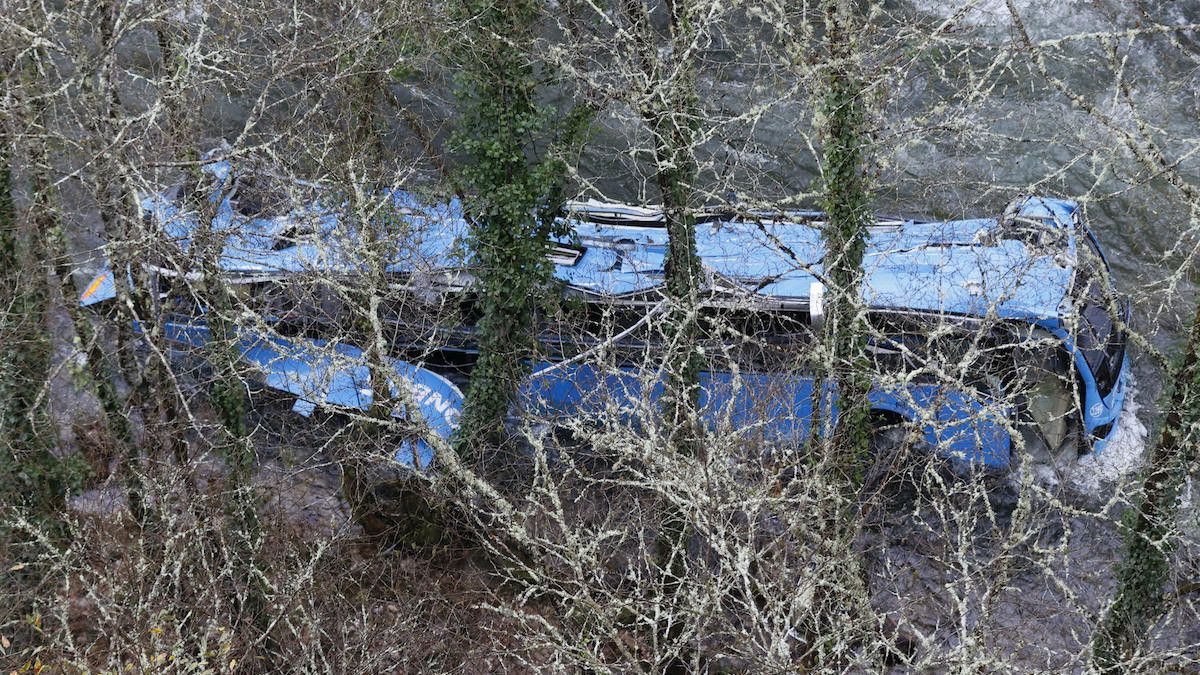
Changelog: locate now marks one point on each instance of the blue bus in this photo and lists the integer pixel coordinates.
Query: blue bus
(990, 336)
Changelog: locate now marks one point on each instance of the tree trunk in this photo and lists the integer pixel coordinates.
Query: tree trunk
(1139, 599)
(845, 201)
(506, 193)
(843, 433)
(25, 360)
(671, 113)
(30, 473)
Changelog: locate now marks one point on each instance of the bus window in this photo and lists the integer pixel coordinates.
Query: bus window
(1098, 338)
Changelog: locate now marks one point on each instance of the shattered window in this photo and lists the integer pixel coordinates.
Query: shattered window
(263, 196)
(1097, 338)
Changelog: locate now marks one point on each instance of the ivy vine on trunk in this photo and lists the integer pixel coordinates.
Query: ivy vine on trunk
(669, 107)
(1149, 528)
(509, 205)
(847, 214)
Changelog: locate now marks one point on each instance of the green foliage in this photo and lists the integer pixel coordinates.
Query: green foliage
(32, 477)
(846, 201)
(511, 203)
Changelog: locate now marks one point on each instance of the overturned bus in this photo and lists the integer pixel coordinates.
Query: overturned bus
(991, 337)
